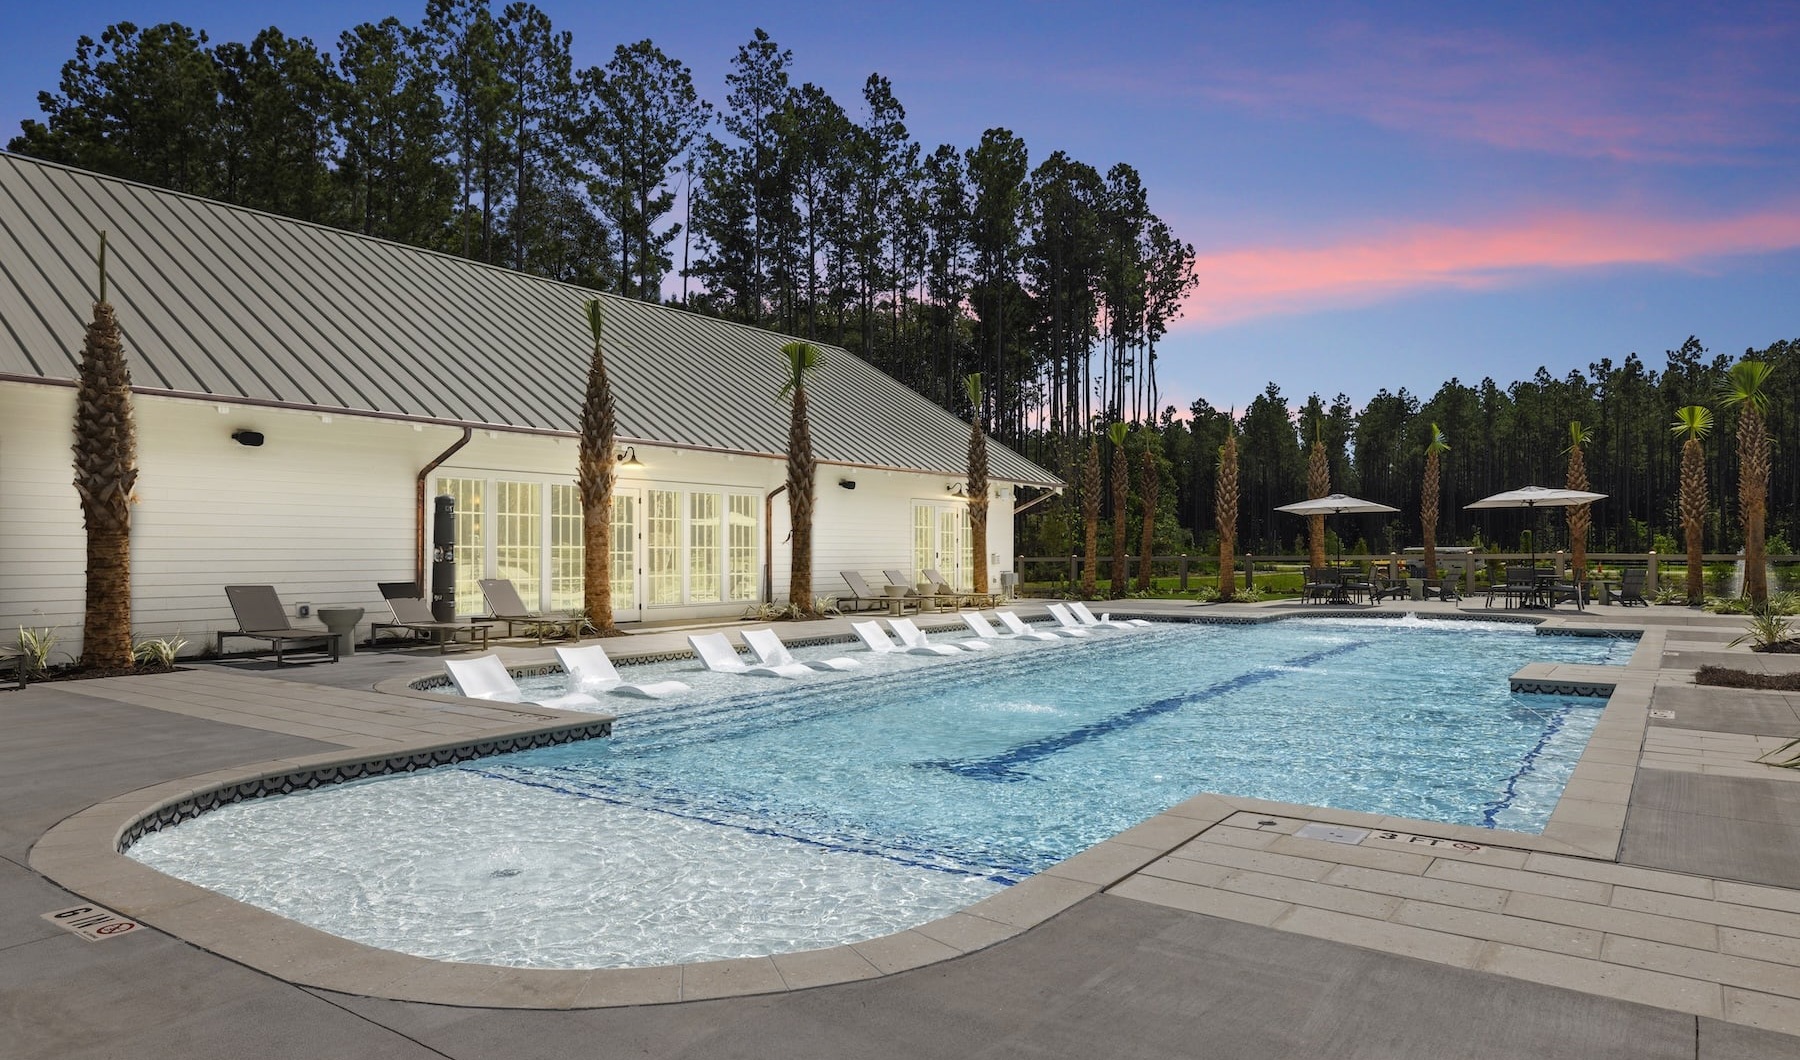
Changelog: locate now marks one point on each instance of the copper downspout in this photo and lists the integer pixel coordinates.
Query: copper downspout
(419, 509)
(769, 544)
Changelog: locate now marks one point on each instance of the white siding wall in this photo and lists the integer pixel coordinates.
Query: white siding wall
(324, 509)
(321, 510)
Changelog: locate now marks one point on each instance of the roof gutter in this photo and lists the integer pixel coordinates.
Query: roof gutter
(439, 421)
(419, 500)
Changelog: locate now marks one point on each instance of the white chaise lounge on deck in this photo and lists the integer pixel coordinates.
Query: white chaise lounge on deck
(766, 643)
(487, 678)
(591, 672)
(720, 657)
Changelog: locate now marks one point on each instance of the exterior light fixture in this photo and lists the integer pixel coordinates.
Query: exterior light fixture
(957, 489)
(847, 483)
(629, 457)
(249, 438)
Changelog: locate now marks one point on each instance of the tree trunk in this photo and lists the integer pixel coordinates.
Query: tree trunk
(1225, 502)
(1090, 517)
(802, 472)
(596, 474)
(1580, 516)
(105, 473)
(1693, 517)
(1318, 484)
(977, 489)
(1147, 541)
(1753, 497)
(1121, 497)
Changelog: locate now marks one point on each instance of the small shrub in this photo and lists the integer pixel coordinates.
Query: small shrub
(158, 651)
(1768, 627)
(37, 645)
(826, 605)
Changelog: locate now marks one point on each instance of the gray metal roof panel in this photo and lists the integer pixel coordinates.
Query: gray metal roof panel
(229, 302)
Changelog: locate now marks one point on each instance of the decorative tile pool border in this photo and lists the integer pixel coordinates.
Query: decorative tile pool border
(323, 776)
(1592, 689)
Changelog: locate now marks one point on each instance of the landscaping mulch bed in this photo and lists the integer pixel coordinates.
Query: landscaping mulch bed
(1780, 647)
(90, 673)
(1725, 677)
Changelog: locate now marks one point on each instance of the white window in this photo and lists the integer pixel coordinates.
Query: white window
(662, 547)
(568, 547)
(741, 559)
(703, 548)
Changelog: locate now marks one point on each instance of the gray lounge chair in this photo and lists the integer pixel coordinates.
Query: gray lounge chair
(504, 605)
(413, 614)
(862, 597)
(942, 587)
(260, 616)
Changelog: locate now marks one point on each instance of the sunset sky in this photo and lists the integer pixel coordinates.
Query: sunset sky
(1381, 195)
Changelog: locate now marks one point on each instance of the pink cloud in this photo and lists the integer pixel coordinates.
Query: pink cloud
(1250, 282)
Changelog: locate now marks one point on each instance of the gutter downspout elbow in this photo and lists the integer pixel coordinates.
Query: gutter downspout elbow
(419, 514)
(769, 544)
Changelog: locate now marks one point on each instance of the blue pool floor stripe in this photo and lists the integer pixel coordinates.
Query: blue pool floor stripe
(1005, 766)
(1509, 792)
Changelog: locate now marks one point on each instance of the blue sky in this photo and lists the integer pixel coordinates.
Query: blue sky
(1381, 195)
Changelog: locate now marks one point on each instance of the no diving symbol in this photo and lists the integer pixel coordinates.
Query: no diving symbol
(114, 929)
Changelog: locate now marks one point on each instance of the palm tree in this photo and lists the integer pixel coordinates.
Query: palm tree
(1151, 484)
(1090, 516)
(1746, 389)
(105, 472)
(977, 486)
(1225, 503)
(1692, 424)
(1428, 498)
(596, 474)
(1580, 516)
(1121, 495)
(802, 470)
(1318, 484)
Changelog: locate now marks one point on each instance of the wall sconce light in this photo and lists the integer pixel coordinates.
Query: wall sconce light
(957, 489)
(847, 483)
(629, 458)
(249, 438)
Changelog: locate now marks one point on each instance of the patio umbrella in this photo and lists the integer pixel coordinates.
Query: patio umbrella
(1335, 504)
(1536, 497)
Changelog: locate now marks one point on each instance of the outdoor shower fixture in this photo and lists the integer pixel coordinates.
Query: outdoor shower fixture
(246, 437)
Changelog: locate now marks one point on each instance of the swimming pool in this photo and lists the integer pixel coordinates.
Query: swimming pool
(757, 816)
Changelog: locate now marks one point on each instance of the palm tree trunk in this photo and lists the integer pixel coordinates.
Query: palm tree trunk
(1090, 518)
(1147, 541)
(1580, 515)
(105, 474)
(1121, 497)
(1753, 497)
(596, 475)
(802, 471)
(1318, 484)
(1693, 517)
(1428, 513)
(1225, 502)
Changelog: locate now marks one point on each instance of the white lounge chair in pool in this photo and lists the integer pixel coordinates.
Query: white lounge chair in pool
(876, 640)
(1067, 622)
(591, 672)
(487, 678)
(1087, 618)
(1016, 625)
(914, 637)
(720, 657)
(981, 627)
(766, 643)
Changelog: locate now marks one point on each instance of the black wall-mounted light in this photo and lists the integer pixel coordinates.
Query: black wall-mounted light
(249, 438)
(628, 458)
(847, 483)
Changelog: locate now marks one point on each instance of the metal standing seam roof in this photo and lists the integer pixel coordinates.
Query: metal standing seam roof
(227, 302)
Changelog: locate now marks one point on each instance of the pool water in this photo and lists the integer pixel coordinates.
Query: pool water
(754, 816)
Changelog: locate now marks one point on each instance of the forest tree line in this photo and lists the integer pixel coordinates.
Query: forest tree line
(473, 133)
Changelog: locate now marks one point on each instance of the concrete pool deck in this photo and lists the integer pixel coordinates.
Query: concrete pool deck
(1660, 920)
